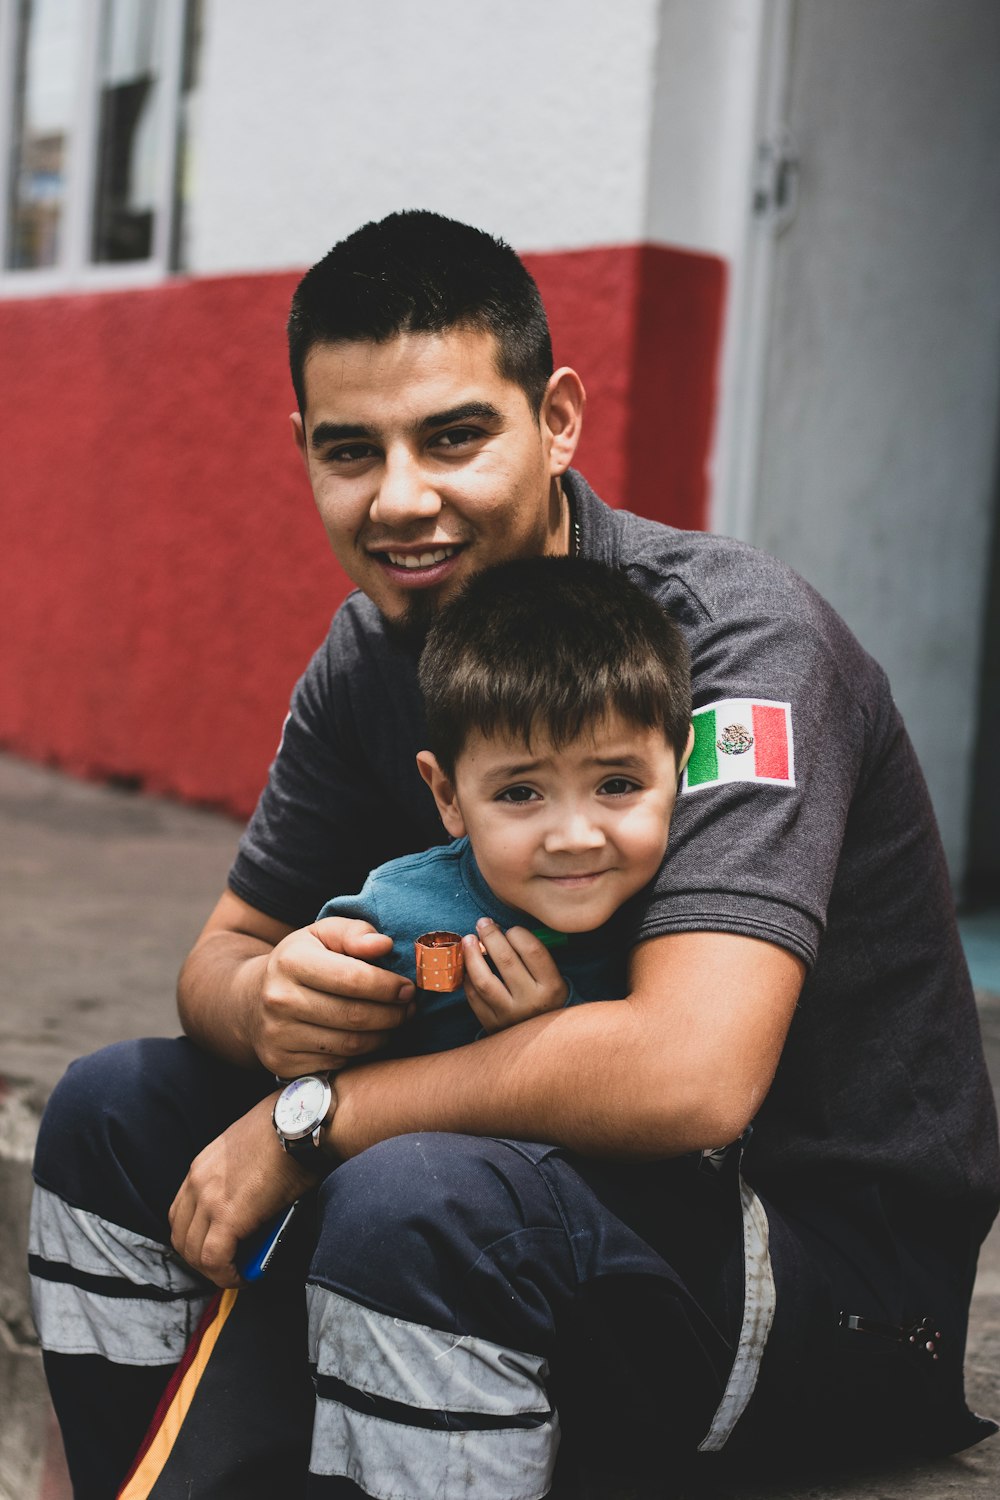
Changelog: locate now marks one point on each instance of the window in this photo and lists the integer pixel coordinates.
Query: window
(92, 139)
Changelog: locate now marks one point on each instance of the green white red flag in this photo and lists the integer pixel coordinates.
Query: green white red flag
(741, 739)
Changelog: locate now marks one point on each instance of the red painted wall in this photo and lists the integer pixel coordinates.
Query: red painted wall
(163, 574)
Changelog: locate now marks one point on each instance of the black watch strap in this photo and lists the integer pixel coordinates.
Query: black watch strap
(307, 1153)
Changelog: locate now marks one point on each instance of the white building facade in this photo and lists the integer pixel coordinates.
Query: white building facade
(768, 232)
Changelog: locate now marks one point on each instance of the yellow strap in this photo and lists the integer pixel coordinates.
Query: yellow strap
(153, 1461)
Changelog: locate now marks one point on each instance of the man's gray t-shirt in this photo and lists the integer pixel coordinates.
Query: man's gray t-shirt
(805, 822)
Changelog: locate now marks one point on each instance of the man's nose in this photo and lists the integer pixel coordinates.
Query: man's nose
(404, 494)
(574, 831)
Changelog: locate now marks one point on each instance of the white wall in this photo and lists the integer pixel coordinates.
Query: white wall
(529, 119)
(702, 140)
(883, 382)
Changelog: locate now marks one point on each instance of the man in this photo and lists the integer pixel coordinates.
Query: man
(540, 1233)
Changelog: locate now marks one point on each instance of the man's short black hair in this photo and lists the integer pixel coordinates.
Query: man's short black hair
(550, 645)
(418, 272)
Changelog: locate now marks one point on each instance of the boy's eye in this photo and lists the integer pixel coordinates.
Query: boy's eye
(517, 794)
(618, 786)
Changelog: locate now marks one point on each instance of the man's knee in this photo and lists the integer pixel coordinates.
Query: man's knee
(123, 1125)
(440, 1228)
(428, 1346)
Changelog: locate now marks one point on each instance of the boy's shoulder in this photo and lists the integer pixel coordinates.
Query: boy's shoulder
(418, 888)
(414, 893)
(424, 862)
(417, 893)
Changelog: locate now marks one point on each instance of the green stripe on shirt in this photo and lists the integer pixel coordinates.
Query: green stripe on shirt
(704, 762)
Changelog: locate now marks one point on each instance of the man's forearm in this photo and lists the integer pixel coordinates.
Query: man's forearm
(682, 1064)
(218, 993)
(548, 1079)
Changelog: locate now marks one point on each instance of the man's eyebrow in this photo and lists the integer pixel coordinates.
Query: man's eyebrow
(333, 432)
(468, 411)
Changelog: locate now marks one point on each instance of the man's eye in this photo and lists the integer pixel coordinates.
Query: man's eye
(350, 453)
(618, 786)
(457, 437)
(517, 794)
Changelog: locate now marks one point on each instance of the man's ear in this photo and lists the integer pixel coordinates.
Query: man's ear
(299, 434)
(687, 751)
(444, 792)
(561, 417)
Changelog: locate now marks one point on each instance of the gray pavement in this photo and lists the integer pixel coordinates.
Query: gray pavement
(103, 892)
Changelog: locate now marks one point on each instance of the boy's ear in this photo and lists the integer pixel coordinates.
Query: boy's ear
(687, 750)
(444, 792)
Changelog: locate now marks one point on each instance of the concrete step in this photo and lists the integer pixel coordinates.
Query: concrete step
(103, 893)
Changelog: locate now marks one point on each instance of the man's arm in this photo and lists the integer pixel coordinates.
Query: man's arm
(683, 1063)
(254, 990)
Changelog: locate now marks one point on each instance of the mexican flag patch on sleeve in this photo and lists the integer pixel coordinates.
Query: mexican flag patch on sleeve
(741, 739)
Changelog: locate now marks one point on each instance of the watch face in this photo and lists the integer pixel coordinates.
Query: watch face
(301, 1106)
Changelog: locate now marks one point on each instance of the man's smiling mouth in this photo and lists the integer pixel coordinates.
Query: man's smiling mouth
(428, 559)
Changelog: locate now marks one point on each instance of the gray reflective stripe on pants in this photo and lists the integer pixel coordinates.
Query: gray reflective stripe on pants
(392, 1360)
(419, 1366)
(127, 1329)
(74, 1237)
(759, 1300)
(388, 1460)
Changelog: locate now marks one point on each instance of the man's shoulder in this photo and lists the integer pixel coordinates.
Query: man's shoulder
(356, 623)
(358, 654)
(700, 576)
(717, 575)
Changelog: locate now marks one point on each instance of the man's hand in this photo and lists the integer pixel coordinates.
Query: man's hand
(529, 982)
(309, 1000)
(239, 1182)
(323, 1002)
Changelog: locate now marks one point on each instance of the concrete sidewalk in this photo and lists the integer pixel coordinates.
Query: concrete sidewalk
(103, 893)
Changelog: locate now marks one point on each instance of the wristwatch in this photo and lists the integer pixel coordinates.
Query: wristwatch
(301, 1110)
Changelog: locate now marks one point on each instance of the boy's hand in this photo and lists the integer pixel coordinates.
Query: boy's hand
(240, 1180)
(529, 982)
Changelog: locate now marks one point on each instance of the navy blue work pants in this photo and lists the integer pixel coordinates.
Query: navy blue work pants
(481, 1317)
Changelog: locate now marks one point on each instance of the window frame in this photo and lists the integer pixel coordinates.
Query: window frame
(76, 271)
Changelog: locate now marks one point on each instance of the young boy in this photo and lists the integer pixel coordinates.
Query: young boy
(558, 706)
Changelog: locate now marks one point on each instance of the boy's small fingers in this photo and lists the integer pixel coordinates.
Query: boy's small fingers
(477, 970)
(530, 950)
(498, 947)
(472, 950)
(535, 956)
(479, 975)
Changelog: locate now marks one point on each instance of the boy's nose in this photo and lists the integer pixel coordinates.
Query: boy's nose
(574, 833)
(403, 494)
